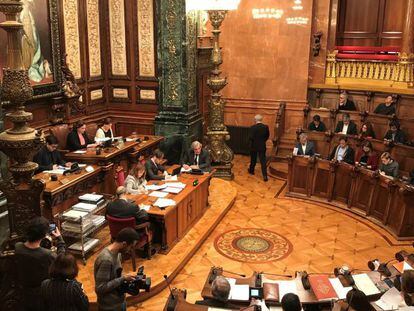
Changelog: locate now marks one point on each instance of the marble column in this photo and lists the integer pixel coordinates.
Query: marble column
(408, 31)
(178, 117)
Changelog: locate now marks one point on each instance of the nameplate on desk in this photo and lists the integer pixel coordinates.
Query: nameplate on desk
(64, 181)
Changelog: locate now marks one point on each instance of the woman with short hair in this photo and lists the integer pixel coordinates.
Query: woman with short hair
(61, 291)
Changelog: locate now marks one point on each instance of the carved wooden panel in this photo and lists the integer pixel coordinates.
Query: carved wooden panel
(321, 180)
(94, 38)
(71, 29)
(117, 37)
(146, 49)
(380, 202)
(342, 185)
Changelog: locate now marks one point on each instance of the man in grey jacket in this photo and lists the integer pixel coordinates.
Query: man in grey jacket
(108, 272)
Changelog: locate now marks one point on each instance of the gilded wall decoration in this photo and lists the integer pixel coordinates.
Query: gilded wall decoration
(94, 38)
(146, 38)
(120, 93)
(117, 37)
(96, 94)
(147, 94)
(71, 25)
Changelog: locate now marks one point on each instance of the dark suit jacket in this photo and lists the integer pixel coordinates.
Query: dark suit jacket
(47, 159)
(204, 162)
(258, 135)
(120, 208)
(399, 137)
(349, 106)
(73, 143)
(352, 128)
(152, 170)
(310, 148)
(320, 128)
(348, 156)
(211, 302)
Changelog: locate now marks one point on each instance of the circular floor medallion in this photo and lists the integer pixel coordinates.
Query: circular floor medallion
(253, 245)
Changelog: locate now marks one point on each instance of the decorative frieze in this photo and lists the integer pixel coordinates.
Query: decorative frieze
(145, 9)
(94, 38)
(117, 37)
(71, 27)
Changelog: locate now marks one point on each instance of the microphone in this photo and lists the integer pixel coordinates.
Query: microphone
(169, 287)
(275, 274)
(241, 275)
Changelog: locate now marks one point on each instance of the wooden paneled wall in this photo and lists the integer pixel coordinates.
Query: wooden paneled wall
(371, 22)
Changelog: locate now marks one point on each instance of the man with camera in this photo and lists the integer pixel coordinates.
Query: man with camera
(108, 272)
(34, 260)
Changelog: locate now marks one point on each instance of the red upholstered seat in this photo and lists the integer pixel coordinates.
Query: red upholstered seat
(380, 53)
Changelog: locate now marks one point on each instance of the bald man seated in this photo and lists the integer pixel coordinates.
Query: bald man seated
(220, 290)
(196, 158)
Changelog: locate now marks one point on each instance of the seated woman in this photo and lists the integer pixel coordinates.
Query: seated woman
(105, 130)
(62, 291)
(135, 181)
(317, 124)
(387, 108)
(367, 131)
(365, 156)
(78, 139)
(388, 167)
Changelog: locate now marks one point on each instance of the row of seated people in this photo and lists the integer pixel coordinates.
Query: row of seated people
(387, 108)
(347, 127)
(365, 156)
(356, 300)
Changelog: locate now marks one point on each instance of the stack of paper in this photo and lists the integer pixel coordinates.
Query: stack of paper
(158, 194)
(155, 187)
(286, 287)
(74, 215)
(86, 207)
(172, 190)
(97, 220)
(365, 284)
(56, 172)
(91, 197)
(77, 227)
(87, 245)
(176, 185)
(162, 203)
(340, 290)
(239, 292)
(391, 300)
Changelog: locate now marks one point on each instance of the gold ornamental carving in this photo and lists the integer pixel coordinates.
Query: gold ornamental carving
(94, 38)
(146, 38)
(71, 26)
(117, 37)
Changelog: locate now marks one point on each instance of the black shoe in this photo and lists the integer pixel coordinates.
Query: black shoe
(265, 178)
(250, 172)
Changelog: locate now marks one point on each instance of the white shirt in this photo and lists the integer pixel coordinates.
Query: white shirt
(345, 129)
(304, 149)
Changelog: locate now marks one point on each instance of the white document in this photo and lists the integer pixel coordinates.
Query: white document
(89, 169)
(365, 284)
(295, 151)
(183, 170)
(239, 292)
(391, 300)
(130, 139)
(82, 165)
(172, 190)
(407, 266)
(340, 290)
(158, 194)
(144, 207)
(81, 206)
(56, 172)
(275, 309)
(231, 281)
(91, 197)
(176, 185)
(155, 187)
(74, 214)
(102, 140)
(80, 151)
(286, 287)
(164, 203)
(171, 178)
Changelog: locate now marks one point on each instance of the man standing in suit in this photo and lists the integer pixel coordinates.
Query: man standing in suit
(258, 135)
(196, 158)
(304, 147)
(121, 207)
(153, 166)
(346, 126)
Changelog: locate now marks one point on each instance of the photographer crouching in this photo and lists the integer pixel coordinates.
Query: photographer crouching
(110, 284)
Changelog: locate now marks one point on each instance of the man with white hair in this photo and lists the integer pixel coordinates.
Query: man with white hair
(258, 135)
(304, 147)
(220, 291)
(345, 103)
(196, 158)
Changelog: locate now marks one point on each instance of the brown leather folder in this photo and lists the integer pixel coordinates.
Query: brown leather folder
(271, 292)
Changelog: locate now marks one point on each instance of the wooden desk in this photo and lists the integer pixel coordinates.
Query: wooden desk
(174, 221)
(61, 194)
(387, 203)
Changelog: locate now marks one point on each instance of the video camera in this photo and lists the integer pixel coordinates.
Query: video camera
(141, 282)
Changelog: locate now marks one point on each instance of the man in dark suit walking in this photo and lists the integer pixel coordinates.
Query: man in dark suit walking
(258, 135)
(197, 158)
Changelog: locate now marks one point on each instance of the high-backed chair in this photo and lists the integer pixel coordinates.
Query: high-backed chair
(117, 224)
(61, 132)
(91, 129)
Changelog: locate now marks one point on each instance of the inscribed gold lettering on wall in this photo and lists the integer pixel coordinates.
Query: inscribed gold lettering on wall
(71, 27)
(147, 94)
(117, 37)
(120, 93)
(96, 94)
(146, 38)
(94, 38)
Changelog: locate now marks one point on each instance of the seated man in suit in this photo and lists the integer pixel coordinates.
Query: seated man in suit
(387, 108)
(220, 289)
(153, 166)
(48, 158)
(317, 125)
(121, 207)
(343, 152)
(346, 126)
(196, 158)
(395, 134)
(304, 147)
(345, 103)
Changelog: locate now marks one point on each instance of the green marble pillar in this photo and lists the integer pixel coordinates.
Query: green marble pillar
(178, 114)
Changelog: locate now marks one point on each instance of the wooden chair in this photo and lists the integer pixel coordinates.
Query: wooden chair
(61, 132)
(117, 224)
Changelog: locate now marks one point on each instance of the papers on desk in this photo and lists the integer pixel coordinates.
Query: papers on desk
(155, 187)
(163, 203)
(391, 300)
(172, 190)
(144, 207)
(56, 172)
(130, 139)
(365, 284)
(171, 178)
(402, 266)
(175, 185)
(158, 194)
(286, 287)
(91, 197)
(183, 170)
(102, 140)
(80, 151)
(340, 290)
(239, 292)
